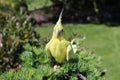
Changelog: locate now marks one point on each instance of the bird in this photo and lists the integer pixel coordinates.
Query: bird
(57, 46)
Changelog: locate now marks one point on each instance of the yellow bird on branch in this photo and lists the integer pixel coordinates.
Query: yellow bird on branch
(57, 46)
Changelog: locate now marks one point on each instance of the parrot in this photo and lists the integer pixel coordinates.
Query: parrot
(57, 46)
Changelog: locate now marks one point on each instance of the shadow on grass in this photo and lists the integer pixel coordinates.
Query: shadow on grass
(112, 24)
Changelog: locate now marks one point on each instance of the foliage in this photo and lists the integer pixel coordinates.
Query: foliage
(36, 65)
(87, 65)
(16, 32)
(9, 7)
(32, 5)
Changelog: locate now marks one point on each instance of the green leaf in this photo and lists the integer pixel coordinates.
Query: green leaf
(28, 47)
(36, 50)
(27, 56)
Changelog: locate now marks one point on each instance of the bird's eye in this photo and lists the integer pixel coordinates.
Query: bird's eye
(62, 30)
(74, 42)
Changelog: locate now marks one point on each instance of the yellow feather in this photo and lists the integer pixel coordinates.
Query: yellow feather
(57, 46)
(58, 25)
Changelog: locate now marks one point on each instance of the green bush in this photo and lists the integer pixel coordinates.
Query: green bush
(37, 66)
(15, 33)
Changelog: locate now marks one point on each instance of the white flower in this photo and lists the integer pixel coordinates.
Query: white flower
(17, 23)
(13, 18)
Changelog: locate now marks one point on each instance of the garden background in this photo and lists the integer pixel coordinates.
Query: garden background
(97, 20)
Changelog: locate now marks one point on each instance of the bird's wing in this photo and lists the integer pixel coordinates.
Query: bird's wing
(47, 49)
(71, 50)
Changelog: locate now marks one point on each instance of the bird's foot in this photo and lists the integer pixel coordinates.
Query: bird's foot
(55, 67)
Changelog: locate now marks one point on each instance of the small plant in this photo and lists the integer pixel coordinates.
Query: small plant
(15, 33)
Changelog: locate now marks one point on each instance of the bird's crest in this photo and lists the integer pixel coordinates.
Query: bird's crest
(58, 25)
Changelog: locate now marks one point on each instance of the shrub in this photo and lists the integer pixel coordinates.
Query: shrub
(37, 66)
(15, 33)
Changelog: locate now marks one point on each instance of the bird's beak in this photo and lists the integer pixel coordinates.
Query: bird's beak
(57, 32)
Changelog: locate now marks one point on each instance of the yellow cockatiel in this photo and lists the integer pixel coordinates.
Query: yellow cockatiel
(57, 46)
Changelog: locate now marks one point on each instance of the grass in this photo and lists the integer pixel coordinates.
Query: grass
(102, 39)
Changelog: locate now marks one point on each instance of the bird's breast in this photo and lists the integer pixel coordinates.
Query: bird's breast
(58, 49)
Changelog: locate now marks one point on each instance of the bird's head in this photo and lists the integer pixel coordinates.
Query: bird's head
(58, 29)
(58, 33)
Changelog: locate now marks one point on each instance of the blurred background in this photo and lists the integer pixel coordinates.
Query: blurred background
(98, 20)
(75, 11)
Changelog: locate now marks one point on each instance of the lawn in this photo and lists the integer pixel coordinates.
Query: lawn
(102, 39)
